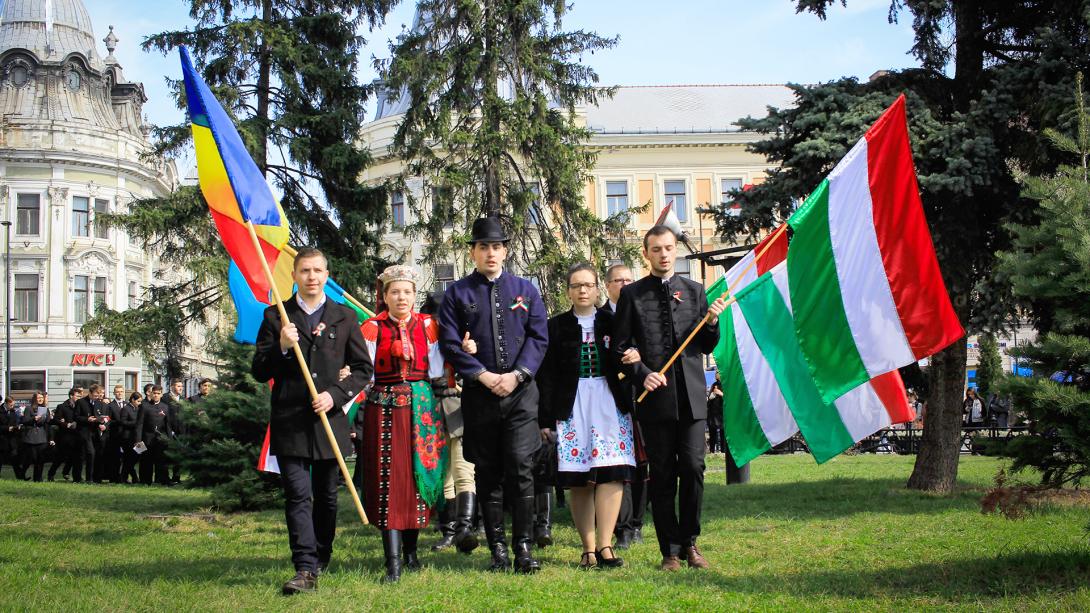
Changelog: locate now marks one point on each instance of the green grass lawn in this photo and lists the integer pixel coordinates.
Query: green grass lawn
(843, 536)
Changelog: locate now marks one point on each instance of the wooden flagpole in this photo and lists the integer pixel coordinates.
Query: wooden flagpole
(730, 290)
(349, 484)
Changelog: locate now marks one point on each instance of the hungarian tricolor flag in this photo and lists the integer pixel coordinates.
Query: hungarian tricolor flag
(865, 291)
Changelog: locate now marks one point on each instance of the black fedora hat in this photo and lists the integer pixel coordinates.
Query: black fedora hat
(488, 230)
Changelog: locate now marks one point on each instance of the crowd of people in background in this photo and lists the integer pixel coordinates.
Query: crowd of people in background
(89, 438)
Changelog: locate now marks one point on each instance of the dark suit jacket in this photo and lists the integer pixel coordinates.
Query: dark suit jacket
(652, 320)
(124, 425)
(153, 422)
(85, 409)
(63, 417)
(559, 375)
(466, 308)
(295, 429)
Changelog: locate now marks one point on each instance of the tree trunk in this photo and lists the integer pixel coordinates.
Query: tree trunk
(936, 468)
(264, 68)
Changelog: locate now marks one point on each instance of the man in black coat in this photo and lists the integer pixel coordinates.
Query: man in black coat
(629, 528)
(126, 438)
(10, 433)
(329, 338)
(153, 429)
(111, 444)
(67, 450)
(655, 315)
(89, 428)
(505, 316)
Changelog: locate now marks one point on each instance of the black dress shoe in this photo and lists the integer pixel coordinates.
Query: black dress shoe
(501, 562)
(525, 563)
(624, 540)
(303, 581)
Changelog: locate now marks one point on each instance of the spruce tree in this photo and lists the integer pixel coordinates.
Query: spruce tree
(287, 71)
(491, 127)
(990, 73)
(1049, 268)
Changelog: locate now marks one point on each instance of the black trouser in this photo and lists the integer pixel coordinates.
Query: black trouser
(111, 457)
(501, 437)
(84, 458)
(154, 459)
(676, 453)
(129, 459)
(310, 509)
(102, 452)
(633, 504)
(63, 453)
(9, 454)
(34, 455)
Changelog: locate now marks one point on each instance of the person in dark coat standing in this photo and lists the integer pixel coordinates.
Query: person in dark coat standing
(10, 433)
(153, 430)
(629, 528)
(89, 428)
(329, 338)
(126, 438)
(111, 444)
(656, 314)
(67, 449)
(504, 314)
(35, 435)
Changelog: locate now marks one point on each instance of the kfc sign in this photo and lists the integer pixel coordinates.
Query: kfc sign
(93, 359)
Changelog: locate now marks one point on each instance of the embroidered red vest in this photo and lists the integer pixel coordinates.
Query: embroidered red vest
(390, 366)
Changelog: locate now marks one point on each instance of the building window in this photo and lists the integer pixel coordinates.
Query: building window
(133, 294)
(80, 303)
(675, 191)
(444, 276)
(81, 216)
(681, 268)
(27, 214)
(100, 293)
(132, 382)
(27, 382)
(26, 297)
(101, 206)
(727, 186)
(535, 205)
(397, 207)
(616, 197)
(87, 378)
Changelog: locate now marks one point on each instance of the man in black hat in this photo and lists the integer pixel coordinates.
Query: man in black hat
(504, 314)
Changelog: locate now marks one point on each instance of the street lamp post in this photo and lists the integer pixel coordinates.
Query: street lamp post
(7, 307)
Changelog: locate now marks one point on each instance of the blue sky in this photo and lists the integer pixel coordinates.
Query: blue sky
(696, 42)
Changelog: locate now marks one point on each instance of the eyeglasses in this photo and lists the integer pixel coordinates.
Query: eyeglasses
(622, 280)
(586, 286)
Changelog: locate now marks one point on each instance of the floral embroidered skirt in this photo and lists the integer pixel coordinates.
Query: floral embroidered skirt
(594, 445)
(390, 495)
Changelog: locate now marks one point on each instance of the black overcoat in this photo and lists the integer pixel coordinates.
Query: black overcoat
(295, 428)
(656, 318)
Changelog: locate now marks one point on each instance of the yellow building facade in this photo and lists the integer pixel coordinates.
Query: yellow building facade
(656, 144)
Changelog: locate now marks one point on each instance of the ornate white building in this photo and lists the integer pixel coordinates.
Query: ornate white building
(71, 141)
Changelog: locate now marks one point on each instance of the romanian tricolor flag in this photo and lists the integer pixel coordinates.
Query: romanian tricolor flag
(232, 184)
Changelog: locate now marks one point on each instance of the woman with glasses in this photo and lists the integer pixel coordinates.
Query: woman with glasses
(581, 399)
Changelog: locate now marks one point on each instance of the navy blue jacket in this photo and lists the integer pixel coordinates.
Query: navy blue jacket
(466, 308)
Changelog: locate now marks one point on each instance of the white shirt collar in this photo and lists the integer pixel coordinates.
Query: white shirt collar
(612, 305)
(493, 279)
(306, 309)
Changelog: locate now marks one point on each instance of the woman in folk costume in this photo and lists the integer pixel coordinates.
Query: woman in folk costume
(404, 446)
(582, 399)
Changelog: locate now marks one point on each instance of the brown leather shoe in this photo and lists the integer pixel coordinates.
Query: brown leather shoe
(693, 557)
(303, 581)
(670, 563)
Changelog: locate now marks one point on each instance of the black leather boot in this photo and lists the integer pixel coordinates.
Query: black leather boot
(391, 547)
(497, 540)
(447, 525)
(408, 546)
(522, 526)
(543, 532)
(465, 536)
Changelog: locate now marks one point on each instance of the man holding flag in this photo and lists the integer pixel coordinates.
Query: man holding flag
(329, 337)
(656, 314)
